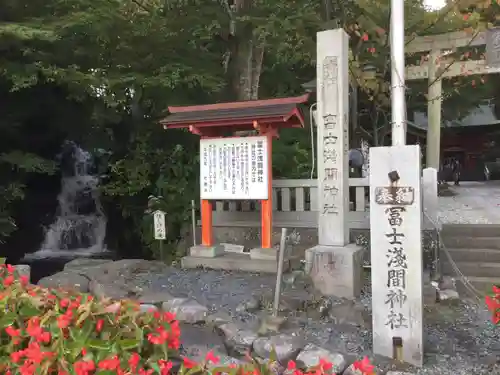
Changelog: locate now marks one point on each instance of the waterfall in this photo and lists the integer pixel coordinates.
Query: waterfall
(79, 228)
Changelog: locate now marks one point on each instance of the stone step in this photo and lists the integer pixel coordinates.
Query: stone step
(473, 269)
(482, 284)
(470, 230)
(471, 255)
(463, 242)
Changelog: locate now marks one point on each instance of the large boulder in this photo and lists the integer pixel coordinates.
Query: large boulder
(66, 280)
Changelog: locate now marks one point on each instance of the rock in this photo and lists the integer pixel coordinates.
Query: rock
(144, 307)
(287, 347)
(81, 264)
(448, 295)
(447, 282)
(186, 310)
(352, 371)
(293, 277)
(23, 270)
(311, 355)
(198, 354)
(155, 298)
(399, 373)
(66, 280)
(348, 312)
(113, 291)
(288, 302)
(217, 319)
(237, 342)
(269, 323)
(250, 305)
(319, 309)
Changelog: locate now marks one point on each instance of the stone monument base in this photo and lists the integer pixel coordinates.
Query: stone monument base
(200, 251)
(234, 262)
(336, 270)
(264, 254)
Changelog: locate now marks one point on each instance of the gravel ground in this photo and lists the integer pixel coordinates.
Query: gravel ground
(459, 339)
(476, 203)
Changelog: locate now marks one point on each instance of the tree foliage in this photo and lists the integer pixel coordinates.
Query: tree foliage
(102, 73)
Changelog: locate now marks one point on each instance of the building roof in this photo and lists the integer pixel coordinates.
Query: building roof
(239, 115)
(484, 114)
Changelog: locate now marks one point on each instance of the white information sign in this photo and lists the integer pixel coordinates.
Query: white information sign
(159, 225)
(234, 168)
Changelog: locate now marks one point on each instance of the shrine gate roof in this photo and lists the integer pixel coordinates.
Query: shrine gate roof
(284, 112)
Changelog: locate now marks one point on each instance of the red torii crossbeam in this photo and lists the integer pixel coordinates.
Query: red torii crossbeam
(223, 120)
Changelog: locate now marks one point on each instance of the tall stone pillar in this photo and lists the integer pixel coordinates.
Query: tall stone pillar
(335, 265)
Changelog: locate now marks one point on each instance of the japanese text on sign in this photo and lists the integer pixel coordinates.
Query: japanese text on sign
(397, 267)
(234, 168)
(395, 195)
(330, 137)
(160, 230)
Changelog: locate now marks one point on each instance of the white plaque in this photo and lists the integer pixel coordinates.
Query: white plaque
(234, 168)
(396, 251)
(160, 230)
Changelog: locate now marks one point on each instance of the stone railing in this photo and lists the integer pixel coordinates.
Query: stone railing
(295, 204)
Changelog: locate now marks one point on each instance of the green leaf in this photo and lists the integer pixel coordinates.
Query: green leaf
(28, 311)
(8, 320)
(99, 344)
(273, 356)
(128, 344)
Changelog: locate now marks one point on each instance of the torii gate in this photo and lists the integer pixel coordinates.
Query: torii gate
(435, 70)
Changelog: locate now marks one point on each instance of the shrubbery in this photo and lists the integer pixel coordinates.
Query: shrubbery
(65, 333)
(493, 304)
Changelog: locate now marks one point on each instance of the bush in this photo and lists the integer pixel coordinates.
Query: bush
(60, 332)
(493, 304)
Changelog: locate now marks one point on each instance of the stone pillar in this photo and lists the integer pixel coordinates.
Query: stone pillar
(396, 252)
(430, 196)
(335, 266)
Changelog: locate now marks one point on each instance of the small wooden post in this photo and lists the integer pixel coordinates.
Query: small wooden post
(206, 223)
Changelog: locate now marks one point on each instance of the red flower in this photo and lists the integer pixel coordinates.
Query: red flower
(364, 366)
(133, 361)
(168, 316)
(364, 37)
(24, 280)
(12, 332)
(99, 325)
(291, 365)
(9, 280)
(188, 363)
(84, 367)
(165, 367)
(10, 268)
(210, 357)
(110, 364)
(63, 321)
(324, 364)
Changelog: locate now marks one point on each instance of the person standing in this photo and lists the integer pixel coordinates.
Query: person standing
(456, 171)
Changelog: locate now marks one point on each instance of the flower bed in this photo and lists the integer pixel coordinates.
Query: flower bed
(45, 331)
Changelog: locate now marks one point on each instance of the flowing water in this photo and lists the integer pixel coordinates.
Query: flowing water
(79, 229)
